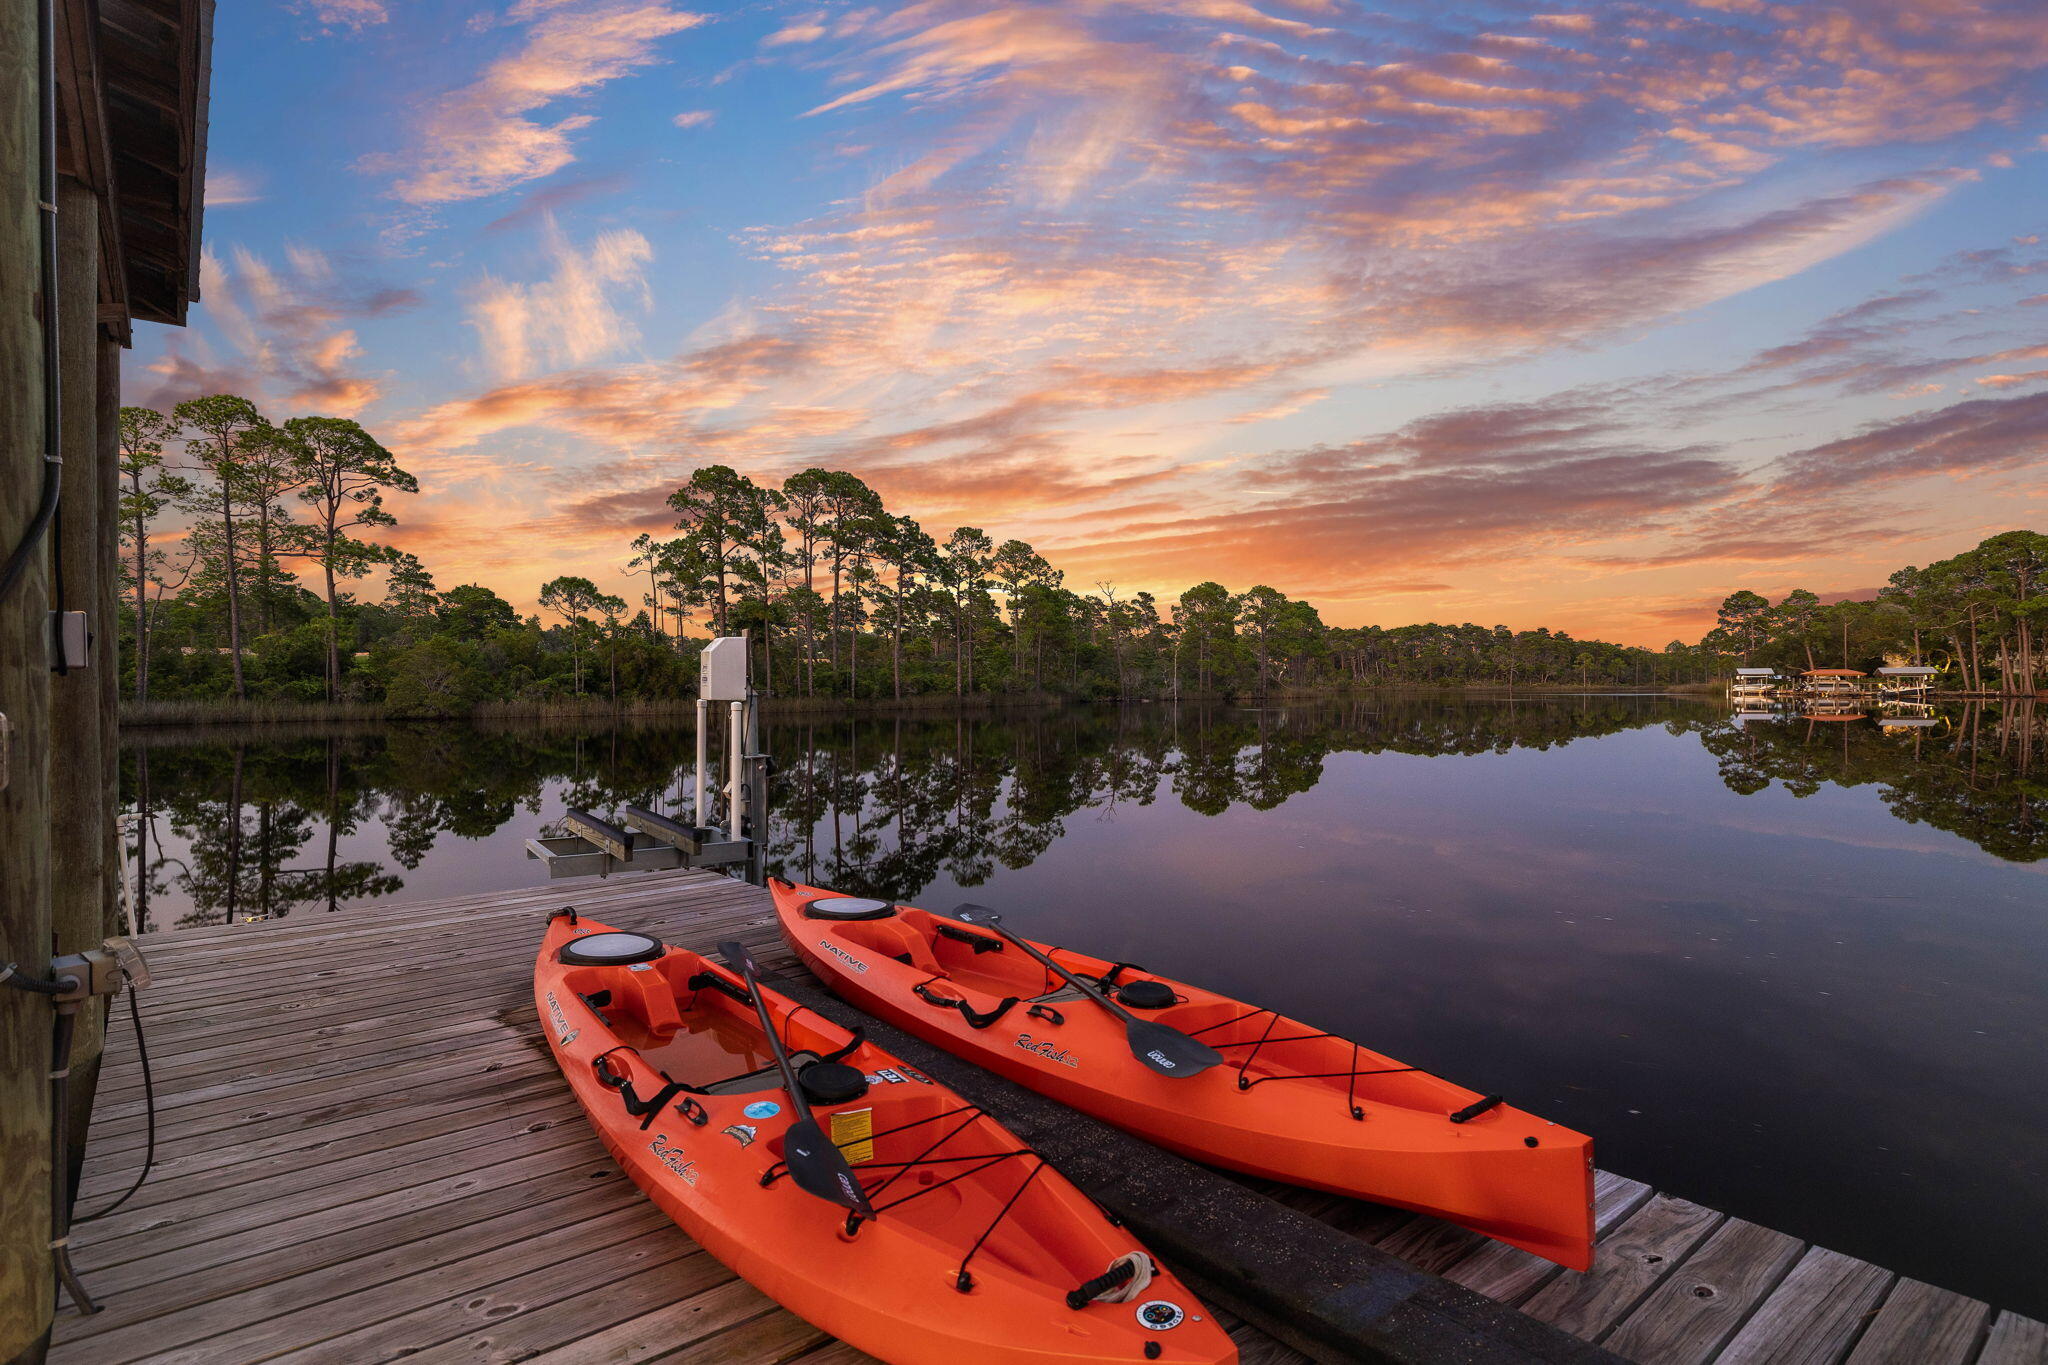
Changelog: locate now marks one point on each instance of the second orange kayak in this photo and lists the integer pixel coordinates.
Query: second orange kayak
(1287, 1101)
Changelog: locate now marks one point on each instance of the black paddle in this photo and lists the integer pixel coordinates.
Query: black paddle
(817, 1166)
(1166, 1050)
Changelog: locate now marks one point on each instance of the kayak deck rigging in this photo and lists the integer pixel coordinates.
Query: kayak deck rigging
(962, 1280)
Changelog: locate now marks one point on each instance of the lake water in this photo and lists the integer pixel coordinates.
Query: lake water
(1793, 969)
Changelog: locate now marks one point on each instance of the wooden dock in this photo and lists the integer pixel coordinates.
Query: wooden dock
(365, 1152)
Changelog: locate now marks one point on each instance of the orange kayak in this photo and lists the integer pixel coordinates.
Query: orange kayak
(976, 1250)
(1286, 1100)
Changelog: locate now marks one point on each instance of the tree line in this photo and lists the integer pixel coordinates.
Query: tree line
(841, 597)
(1972, 615)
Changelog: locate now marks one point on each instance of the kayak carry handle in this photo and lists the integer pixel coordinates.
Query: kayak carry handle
(1475, 1109)
(1089, 1290)
(644, 1110)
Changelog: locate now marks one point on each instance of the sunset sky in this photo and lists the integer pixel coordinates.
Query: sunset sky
(1424, 311)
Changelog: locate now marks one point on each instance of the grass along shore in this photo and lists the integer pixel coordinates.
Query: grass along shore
(225, 712)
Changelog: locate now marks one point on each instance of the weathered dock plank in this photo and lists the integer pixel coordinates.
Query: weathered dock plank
(1686, 1319)
(365, 1153)
(1814, 1314)
(1921, 1323)
(2015, 1340)
(1631, 1262)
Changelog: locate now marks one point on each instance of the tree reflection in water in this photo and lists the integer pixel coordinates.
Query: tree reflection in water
(256, 825)
(1979, 772)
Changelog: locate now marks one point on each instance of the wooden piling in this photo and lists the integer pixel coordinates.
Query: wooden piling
(80, 810)
(26, 1283)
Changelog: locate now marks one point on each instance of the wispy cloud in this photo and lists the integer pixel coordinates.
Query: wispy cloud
(352, 16)
(571, 317)
(285, 335)
(484, 138)
(226, 188)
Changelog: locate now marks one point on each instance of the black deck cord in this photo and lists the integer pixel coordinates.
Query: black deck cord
(149, 1101)
(963, 1281)
(46, 204)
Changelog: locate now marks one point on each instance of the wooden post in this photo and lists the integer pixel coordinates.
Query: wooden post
(108, 429)
(79, 800)
(27, 1291)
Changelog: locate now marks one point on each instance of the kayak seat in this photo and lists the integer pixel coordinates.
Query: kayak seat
(892, 938)
(767, 1078)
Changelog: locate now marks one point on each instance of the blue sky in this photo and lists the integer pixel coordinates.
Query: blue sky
(1581, 318)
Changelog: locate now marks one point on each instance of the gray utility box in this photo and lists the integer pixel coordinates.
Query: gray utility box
(722, 669)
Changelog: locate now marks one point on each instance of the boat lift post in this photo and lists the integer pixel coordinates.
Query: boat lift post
(594, 846)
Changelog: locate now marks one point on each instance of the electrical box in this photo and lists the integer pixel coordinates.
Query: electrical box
(722, 669)
(71, 642)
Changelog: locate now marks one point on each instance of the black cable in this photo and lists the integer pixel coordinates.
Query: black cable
(11, 975)
(149, 1102)
(53, 460)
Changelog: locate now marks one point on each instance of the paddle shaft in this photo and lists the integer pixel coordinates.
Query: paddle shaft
(1072, 980)
(797, 1102)
(814, 1160)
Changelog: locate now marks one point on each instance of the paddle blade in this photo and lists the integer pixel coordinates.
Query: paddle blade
(1168, 1051)
(739, 959)
(969, 913)
(820, 1168)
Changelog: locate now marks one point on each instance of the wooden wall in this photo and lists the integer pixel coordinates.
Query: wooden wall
(59, 863)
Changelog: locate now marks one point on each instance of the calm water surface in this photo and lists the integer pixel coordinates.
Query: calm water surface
(1796, 970)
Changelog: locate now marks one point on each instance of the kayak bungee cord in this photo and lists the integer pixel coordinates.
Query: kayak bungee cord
(859, 1204)
(1078, 1297)
(1351, 1076)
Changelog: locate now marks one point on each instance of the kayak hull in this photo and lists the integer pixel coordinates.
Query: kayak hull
(1289, 1103)
(891, 1287)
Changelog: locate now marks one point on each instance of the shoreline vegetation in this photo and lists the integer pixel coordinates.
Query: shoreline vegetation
(847, 605)
(195, 713)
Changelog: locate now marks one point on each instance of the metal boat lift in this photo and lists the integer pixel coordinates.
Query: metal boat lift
(645, 841)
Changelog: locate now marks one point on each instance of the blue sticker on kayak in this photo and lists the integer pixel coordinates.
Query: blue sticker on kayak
(762, 1109)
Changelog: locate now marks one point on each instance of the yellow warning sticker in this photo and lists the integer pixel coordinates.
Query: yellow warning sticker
(853, 1132)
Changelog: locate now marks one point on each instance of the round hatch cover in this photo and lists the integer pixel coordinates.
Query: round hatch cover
(1145, 995)
(848, 907)
(612, 949)
(832, 1082)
